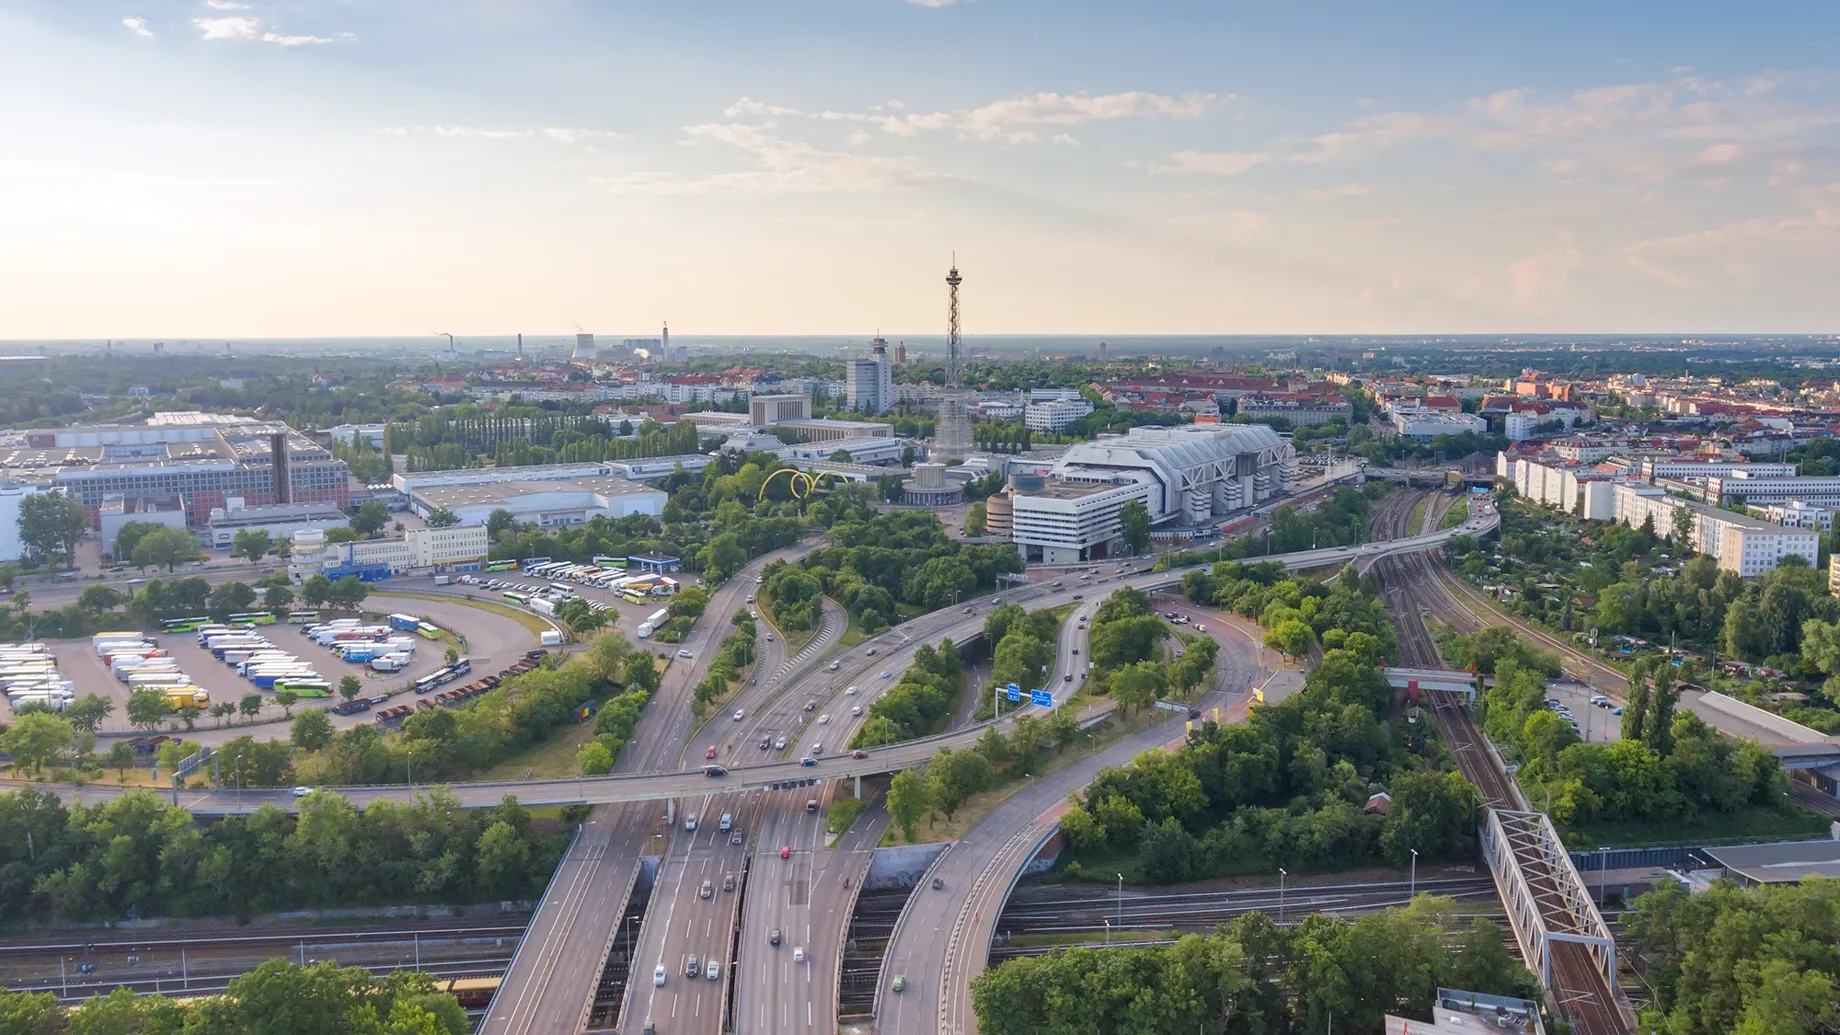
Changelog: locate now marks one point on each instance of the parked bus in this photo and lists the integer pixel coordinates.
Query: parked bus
(253, 618)
(501, 566)
(516, 598)
(632, 596)
(180, 625)
(610, 562)
(305, 687)
(303, 618)
(561, 590)
(534, 561)
(428, 631)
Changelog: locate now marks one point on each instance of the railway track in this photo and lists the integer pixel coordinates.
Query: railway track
(1053, 911)
(190, 985)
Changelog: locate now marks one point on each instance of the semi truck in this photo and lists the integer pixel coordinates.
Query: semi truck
(406, 623)
(391, 662)
(187, 697)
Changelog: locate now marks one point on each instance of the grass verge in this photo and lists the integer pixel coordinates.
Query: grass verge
(523, 618)
(554, 757)
(796, 639)
(843, 813)
(1751, 825)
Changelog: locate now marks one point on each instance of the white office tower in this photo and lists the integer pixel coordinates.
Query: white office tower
(869, 383)
(952, 433)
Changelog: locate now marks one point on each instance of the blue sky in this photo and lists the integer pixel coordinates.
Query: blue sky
(317, 167)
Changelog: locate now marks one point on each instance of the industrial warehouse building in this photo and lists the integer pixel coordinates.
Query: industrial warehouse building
(543, 503)
(1185, 475)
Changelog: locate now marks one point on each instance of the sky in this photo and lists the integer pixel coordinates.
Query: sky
(276, 168)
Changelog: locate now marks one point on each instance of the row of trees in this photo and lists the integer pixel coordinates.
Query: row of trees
(737, 651)
(870, 565)
(950, 778)
(137, 854)
(919, 702)
(277, 998)
(1126, 644)
(1667, 767)
(1252, 977)
(1298, 614)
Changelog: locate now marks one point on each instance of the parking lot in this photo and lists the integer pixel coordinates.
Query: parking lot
(1596, 725)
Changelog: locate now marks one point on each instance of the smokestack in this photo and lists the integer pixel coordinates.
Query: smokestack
(278, 450)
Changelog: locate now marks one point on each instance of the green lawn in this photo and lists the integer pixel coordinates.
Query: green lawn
(553, 757)
(843, 813)
(796, 639)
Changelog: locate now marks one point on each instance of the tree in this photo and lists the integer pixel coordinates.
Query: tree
(277, 598)
(1137, 686)
(350, 687)
(228, 598)
(253, 543)
(348, 593)
(96, 599)
(954, 776)
(976, 519)
(129, 537)
(372, 515)
(222, 710)
(312, 729)
(1292, 638)
(286, 699)
(51, 524)
(594, 759)
(121, 759)
(315, 590)
(908, 800)
(250, 705)
(1134, 525)
(88, 713)
(498, 521)
(451, 656)
(148, 708)
(342, 534)
(166, 546)
(35, 738)
(441, 517)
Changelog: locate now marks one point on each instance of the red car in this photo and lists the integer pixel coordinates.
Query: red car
(859, 753)
(711, 753)
(785, 851)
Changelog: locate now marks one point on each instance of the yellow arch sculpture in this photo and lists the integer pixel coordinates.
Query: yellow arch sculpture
(803, 483)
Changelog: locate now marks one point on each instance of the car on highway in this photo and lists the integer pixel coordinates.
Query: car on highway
(873, 651)
(1068, 678)
(728, 882)
(690, 822)
(740, 713)
(734, 838)
(965, 610)
(856, 709)
(851, 690)
(773, 939)
(301, 792)
(899, 984)
(811, 706)
(887, 674)
(692, 966)
(1076, 650)
(785, 851)
(711, 753)
(765, 743)
(834, 666)
(780, 744)
(859, 753)
(708, 890)
(808, 760)
(684, 654)
(825, 719)
(769, 637)
(715, 770)
(1079, 596)
(817, 749)
(714, 970)
(798, 954)
(658, 976)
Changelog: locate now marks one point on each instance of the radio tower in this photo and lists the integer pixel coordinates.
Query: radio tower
(952, 438)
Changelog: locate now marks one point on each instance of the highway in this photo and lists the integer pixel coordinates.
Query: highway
(943, 938)
(551, 981)
(670, 719)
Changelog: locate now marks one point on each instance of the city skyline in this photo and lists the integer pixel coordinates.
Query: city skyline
(278, 169)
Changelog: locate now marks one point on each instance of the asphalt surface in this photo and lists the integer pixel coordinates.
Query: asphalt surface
(943, 939)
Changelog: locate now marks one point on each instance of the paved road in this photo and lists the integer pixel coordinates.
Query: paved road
(943, 938)
(658, 781)
(550, 984)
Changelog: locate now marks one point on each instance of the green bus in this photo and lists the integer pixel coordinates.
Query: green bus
(183, 625)
(501, 566)
(633, 596)
(516, 598)
(303, 617)
(253, 618)
(610, 562)
(428, 630)
(305, 687)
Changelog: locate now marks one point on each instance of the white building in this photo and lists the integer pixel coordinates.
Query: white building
(771, 409)
(409, 483)
(1055, 415)
(352, 434)
(1519, 427)
(280, 521)
(1186, 475)
(310, 554)
(11, 548)
(1765, 489)
(542, 503)
(1684, 467)
(657, 468)
(1561, 485)
(820, 429)
(883, 450)
(1042, 395)
(1740, 543)
(1422, 423)
(1797, 514)
(869, 383)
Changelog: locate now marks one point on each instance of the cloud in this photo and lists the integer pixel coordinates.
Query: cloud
(138, 26)
(782, 167)
(1066, 138)
(1747, 253)
(225, 5)
(1210, 163)
(999, 120)
(1343, 190)
(932, 3)
(247, 28)
(571, 135)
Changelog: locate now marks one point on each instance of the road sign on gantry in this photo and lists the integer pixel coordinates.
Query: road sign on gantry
(1015, 692)
(1041, 698)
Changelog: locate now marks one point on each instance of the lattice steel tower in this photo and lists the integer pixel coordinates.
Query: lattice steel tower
(952, 438)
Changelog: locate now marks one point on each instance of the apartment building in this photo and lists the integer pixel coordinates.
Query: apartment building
(1741, 544)
(1055, 414)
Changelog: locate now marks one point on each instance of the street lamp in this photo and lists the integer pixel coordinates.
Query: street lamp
(1414, 892)
(1121, 903)
(1281, 876)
